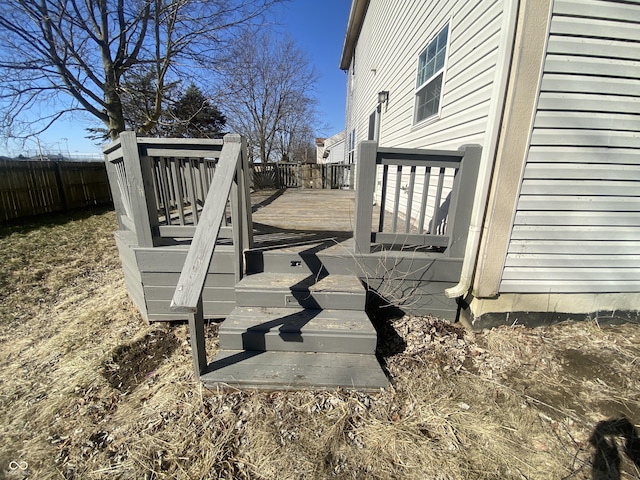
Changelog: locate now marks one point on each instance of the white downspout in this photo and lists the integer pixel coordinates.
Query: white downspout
(503, 64)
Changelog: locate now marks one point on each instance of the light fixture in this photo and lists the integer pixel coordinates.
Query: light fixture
(383, 97)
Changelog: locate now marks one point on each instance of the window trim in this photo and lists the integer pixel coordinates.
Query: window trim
(425, 84)
(351, 147)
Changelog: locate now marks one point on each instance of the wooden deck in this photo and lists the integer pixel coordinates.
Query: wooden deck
(290, 217)
(294, 231)
(312, 230)
(302, 215)
(195, 244)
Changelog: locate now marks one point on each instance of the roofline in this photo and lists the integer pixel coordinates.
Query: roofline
(356, 19)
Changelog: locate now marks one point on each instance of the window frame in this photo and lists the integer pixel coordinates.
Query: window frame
(418, 89)
(351, 147)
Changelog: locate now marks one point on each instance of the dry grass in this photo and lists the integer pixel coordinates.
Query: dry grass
(90, 391)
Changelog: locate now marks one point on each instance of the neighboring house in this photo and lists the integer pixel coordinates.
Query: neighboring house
(551, 91)
(319, 149)
(332, 149)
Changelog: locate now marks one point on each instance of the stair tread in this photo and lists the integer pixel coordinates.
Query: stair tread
(298, 320)
(301, 282)
(298, 330)
(294, 370)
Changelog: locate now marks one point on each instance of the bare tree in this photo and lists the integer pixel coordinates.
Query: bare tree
(268, 85)
(295, 134)
(61, 56)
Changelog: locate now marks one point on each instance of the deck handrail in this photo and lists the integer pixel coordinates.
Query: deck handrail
(187, 297)
(463, 163)
(181, 187)
(200, 253)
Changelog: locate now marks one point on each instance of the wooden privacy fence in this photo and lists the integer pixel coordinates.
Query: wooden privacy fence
(297, 175)
(434, 215)
(31, 187)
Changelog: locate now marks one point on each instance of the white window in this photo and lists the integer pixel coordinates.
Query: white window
(431, 63)
(351, 147)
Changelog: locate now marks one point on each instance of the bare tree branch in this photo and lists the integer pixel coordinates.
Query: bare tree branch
(269, 91)
(77, 53)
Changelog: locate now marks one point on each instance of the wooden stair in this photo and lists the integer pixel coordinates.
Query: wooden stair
(297, 330)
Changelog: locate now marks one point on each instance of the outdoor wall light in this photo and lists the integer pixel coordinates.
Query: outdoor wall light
(383, 97)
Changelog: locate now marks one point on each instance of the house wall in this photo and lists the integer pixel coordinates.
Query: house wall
(393, 35)
(576, 227)
(563, 227)
(337, 154)
(336, 149)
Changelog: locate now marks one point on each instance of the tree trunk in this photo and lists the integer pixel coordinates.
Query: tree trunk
(113, 103)
(116, 118)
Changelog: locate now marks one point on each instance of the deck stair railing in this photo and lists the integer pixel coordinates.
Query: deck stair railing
(229, 182)
(428, 195)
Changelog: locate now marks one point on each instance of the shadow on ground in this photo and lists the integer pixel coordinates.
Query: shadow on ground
(607, 457)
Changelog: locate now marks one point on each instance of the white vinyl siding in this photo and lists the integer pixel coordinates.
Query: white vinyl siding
(577, 224)
(387, 58)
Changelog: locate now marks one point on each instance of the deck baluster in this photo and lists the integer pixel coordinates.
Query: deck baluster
(435, 221)
(425, 198)
(439, 234)
(396, 199)
(412, 182)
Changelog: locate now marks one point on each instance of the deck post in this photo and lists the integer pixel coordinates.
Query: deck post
(239, 222)
(197, 339)
(462, 195)
(116, 194)
(140, 185)
(247, 227)
(365, 187)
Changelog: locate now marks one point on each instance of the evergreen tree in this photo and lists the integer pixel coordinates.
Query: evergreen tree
(193, 115)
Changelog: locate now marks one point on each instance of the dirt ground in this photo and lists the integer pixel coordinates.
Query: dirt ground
(88, 390)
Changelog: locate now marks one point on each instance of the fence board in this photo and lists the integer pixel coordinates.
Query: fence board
(294, 175)
(30, 187)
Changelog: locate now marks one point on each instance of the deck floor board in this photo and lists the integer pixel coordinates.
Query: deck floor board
(293, 217)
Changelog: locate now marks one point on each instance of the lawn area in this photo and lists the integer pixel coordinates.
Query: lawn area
(89, 390)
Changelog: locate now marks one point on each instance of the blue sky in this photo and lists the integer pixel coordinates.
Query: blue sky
(318, 28)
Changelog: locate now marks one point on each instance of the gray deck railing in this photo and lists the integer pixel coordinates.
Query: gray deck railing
(162, 184)
(427, 196)
(184, 188)
(336, 175)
